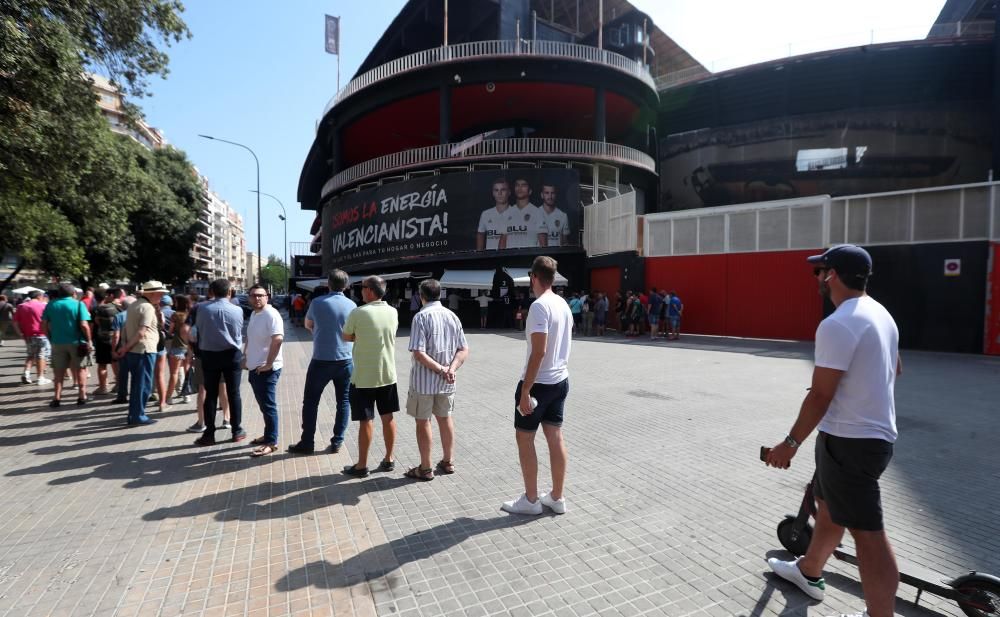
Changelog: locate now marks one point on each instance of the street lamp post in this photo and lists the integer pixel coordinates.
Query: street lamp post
(260, 278)
(284, 217)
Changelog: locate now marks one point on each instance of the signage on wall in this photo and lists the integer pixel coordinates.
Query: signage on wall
(453, 213)
(952, 267)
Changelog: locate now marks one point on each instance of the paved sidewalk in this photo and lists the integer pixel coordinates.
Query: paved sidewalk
(671, 513)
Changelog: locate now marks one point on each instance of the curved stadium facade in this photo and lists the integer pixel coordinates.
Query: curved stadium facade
(535, 130)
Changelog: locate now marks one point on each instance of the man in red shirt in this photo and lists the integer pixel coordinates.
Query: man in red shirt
(28, 323)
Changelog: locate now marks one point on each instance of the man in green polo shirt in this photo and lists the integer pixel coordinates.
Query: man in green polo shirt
(372, 329)
(66, 322)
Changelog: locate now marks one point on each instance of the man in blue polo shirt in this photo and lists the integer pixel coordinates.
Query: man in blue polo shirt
(331, 361)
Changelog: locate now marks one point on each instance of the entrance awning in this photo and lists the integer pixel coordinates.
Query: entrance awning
(310, 285)
(520, 276)
(468, 279)
(405, 275)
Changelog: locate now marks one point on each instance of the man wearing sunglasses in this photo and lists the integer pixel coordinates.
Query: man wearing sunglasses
(851, 402)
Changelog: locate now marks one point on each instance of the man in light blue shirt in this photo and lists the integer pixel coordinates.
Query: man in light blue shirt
(220, 343)
(331, 361)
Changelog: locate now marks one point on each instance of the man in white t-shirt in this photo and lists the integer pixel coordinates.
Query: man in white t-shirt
(525, 226)
(851, 403)
(555, 220)
(541, 394)
(484, 308)
(493, 222)
(262, 357)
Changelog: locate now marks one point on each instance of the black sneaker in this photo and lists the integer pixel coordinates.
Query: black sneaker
(54, 403)
(204, 441)
(300, 448)
(386, 466)
(335, 447)
(120, 401)
(351, 470)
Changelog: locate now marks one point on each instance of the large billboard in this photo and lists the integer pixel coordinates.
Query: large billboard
(506, 209)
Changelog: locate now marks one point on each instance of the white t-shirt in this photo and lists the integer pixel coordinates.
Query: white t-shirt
(492, 222)
(484, 301)
(523, 226)
(861, 338)
(550, 314)
(262, 327)
(557, 224)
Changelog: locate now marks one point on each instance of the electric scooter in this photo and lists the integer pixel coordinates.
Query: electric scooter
(977, 594)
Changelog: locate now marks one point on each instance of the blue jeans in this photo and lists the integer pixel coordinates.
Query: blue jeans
(320, 373)
(264, 386)
(123, 377)
(218, 365)
(140, 371)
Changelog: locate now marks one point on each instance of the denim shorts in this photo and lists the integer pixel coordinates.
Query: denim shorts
(39, 348)
(549, 410)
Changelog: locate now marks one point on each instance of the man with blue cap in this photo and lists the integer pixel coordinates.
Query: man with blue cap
(851, 402)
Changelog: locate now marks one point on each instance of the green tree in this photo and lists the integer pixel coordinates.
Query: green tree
(275, 274)
(52, 138)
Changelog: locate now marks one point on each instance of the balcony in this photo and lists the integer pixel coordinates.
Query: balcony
(489, 50)
(530, 148)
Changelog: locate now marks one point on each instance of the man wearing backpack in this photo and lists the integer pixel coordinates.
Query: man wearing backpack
(104, 319)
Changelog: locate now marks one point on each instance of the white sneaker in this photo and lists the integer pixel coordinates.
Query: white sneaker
(789, 570)
(521, 505)
(226, 425)
(43, 381)
(185, 399)
(556, 505)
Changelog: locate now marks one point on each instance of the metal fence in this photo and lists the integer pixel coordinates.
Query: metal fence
(488, 49)
(941, 214)
(609, 226)
(550, 148)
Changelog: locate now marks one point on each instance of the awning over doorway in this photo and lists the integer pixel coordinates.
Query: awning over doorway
(312, 284)
(520, 276)
(404, 275)
(467, 279)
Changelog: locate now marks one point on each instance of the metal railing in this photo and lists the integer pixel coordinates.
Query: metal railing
(547, 147)
(490, 49)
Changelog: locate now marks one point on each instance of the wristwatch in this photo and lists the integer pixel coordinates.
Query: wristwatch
(791, 442)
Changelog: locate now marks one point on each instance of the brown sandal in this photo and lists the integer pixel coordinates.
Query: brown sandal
(264, 450)
(446, 467)
(418, 473)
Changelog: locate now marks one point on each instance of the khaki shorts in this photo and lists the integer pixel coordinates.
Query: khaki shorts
(421, 406)
(64, 357)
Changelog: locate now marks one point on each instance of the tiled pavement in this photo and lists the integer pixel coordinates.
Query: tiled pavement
(670, 511)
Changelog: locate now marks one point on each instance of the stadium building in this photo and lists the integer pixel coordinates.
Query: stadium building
(528, 127)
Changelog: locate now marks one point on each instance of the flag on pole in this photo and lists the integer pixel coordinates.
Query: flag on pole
(332, 35)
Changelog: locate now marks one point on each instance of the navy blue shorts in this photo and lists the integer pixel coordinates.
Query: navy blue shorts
(847, 473)
(549, 410)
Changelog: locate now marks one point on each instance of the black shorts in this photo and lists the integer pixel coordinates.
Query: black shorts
(102, 353)
(847, 473)
(549, 410)
(364, 401)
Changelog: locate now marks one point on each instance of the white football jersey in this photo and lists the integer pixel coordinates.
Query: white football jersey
(557, 224)
(523, 226)
(493, 223)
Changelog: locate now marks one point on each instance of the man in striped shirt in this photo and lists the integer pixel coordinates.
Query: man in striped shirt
(439, 348)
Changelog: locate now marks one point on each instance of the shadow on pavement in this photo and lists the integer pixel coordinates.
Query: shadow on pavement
(380, 561)
(243, 503)
(139, 470)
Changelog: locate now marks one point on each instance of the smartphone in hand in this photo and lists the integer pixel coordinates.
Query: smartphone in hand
(764, 451)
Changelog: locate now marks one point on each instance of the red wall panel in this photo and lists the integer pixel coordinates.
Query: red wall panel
(758, 295)
(609, 281)
(991, 344)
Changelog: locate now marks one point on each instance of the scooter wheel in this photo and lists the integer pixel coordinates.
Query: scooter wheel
(795, 541)
(983, 596)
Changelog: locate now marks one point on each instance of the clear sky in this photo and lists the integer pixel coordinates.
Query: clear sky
(255, 72)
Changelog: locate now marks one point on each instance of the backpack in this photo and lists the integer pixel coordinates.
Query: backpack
(104, 318)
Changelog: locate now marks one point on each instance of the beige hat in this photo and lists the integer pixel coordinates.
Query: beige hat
(150, 287)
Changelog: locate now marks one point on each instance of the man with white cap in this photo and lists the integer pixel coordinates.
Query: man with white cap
(142, 335)
(851, 403)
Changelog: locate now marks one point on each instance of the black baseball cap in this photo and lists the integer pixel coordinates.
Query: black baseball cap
(847, 259)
